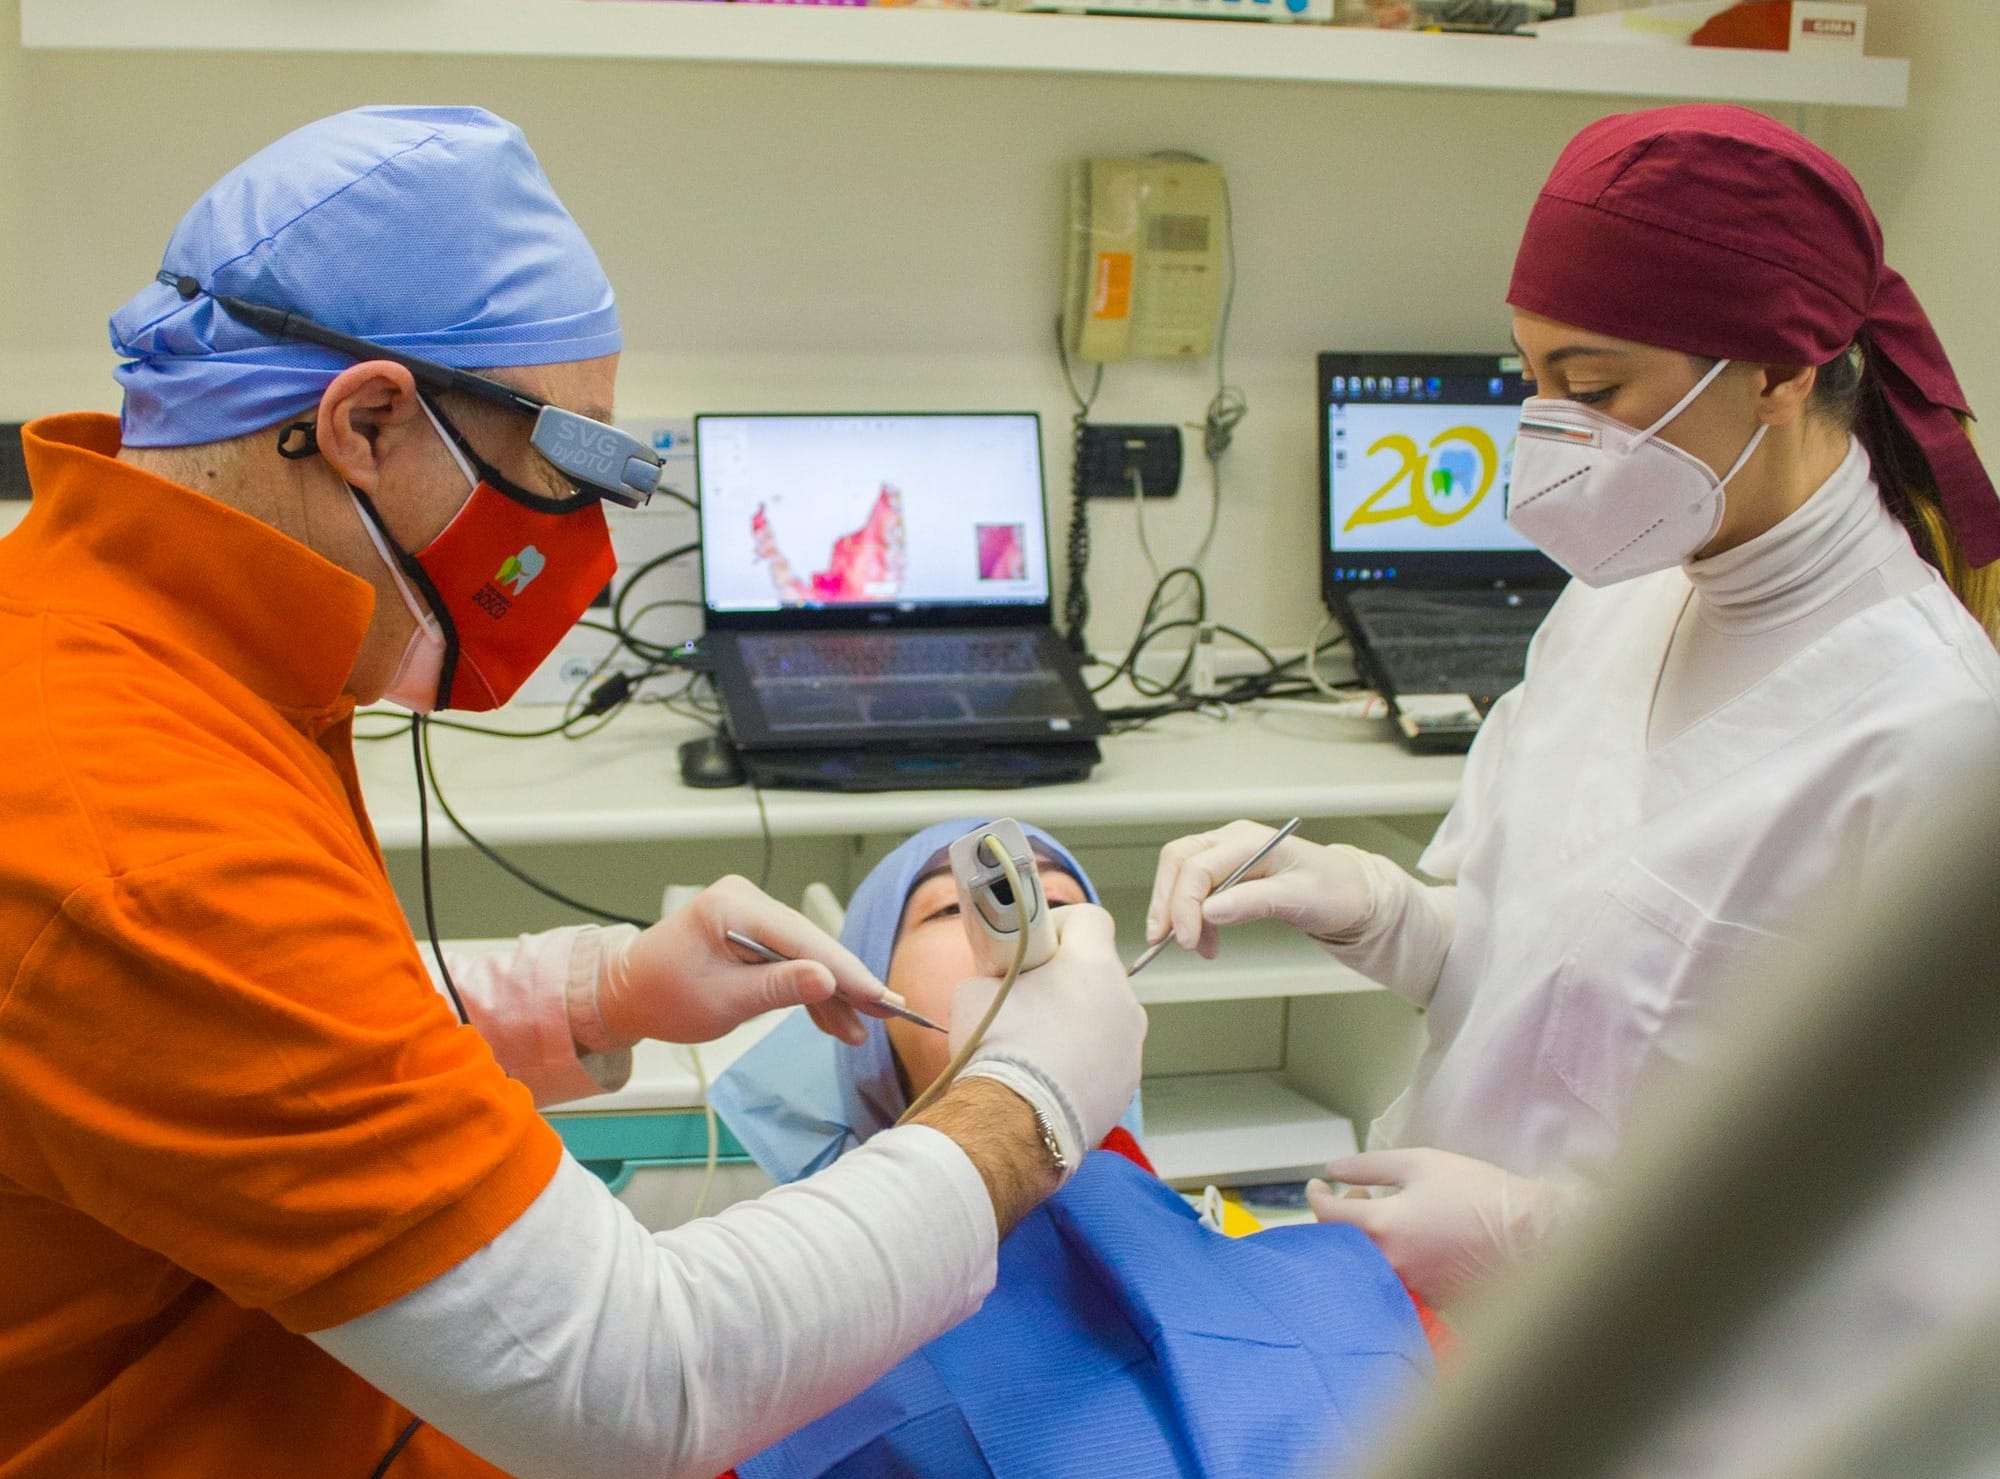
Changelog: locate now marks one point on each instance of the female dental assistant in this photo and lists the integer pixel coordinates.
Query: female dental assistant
(1776, 661)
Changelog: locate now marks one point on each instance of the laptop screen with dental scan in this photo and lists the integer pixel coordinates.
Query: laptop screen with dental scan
(882, 516)
(1416, 451)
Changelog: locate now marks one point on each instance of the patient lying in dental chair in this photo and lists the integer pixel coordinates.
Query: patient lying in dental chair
(1122, 1336)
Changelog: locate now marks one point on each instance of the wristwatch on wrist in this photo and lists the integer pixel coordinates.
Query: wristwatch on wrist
(1051, 1142)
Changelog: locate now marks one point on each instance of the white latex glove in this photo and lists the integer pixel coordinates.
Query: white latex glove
(681, 981)
(1453, 1221)
(1068, 1037)
(1325, 891)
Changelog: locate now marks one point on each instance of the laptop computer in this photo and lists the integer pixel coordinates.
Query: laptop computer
(876, 593)
(1437, 594)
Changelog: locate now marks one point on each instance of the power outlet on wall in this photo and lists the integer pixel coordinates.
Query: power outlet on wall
(1117, 461)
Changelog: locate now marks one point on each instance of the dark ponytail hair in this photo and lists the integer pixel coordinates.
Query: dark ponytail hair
(1847, 393)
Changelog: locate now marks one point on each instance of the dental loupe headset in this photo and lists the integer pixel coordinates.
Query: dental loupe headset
(602, 461)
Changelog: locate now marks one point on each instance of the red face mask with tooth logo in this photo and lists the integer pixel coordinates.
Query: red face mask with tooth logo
(504, 581)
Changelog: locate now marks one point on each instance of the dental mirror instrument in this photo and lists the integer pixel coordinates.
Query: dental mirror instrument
(891, 1002)
(1151, 952)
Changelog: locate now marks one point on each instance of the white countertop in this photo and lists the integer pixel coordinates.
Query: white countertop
(623, 783)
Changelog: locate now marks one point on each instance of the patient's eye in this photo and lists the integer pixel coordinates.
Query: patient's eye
(943, 911)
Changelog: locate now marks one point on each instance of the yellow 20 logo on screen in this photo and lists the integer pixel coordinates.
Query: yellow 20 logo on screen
(1441, 494)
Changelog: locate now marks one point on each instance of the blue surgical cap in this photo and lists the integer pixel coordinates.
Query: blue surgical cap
(430, 230)
(799, 1099)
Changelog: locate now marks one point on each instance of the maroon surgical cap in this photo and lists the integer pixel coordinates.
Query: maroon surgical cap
(1717, 232)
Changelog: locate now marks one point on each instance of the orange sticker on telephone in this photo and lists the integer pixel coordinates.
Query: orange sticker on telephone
(1111, 289)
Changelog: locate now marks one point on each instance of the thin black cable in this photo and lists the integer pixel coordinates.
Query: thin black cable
(1270, 659)
(402, 1440)
(1176, 689)
(607, 700)
(1154, 605)
(1260, 686)
(1154, 602)
(1274, 682)
(402, 727)
(490, 733)
(683, 702)
(506, 865)
(622, 626)
(764, 826)
(607, 697)
(420, 753)
(645, 647)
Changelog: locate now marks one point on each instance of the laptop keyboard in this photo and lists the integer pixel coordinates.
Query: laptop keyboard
(827, 681)
(900, 657)
(1481, 668)
(1474, 643)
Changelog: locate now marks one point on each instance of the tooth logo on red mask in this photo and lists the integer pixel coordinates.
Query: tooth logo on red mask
(515, 574)
(502, 541)
(518, 569)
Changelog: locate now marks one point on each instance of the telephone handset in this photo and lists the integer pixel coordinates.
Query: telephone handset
(1146, 264)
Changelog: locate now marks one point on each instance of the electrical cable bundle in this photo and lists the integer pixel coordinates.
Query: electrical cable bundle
(1296, 677)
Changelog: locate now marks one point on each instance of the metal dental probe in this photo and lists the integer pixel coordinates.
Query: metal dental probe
(891, 1003)
(1147, 956)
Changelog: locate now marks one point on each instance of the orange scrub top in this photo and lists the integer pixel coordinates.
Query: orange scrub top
(232, 1106)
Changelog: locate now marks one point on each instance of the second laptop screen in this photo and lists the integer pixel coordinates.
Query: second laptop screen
(903, 511)
(1421, 462)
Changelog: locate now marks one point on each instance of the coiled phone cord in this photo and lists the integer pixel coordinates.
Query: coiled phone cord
(1076, 597)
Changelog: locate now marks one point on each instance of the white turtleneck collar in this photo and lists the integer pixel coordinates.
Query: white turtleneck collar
(1769, 598)
(1807, 558)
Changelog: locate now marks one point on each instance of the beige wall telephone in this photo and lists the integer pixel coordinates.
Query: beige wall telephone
(1146, 258)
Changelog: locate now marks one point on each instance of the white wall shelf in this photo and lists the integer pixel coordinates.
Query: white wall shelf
(1257, 961)
(962, 40)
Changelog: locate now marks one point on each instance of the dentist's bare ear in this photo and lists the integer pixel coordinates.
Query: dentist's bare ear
(363, 403)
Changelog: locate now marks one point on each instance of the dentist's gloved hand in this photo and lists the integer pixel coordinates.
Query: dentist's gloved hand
(1453, 1221)
(1067, 1039)
(681, 981)
(1325, 891)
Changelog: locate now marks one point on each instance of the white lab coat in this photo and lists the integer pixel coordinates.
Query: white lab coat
(1611, 896)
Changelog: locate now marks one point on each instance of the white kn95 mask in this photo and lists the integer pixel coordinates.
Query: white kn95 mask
(1610, 503)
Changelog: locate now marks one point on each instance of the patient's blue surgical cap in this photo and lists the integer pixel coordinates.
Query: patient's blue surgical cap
(430, 230)
(799, 1099)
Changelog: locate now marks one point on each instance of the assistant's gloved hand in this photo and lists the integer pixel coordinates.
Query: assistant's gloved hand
(1364, 909)
(681, 981)
(1068, 1037)
(1453, 1222)
(1325, 891)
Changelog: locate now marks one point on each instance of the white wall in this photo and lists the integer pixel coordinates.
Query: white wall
(1932, 172)
(791, 237)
